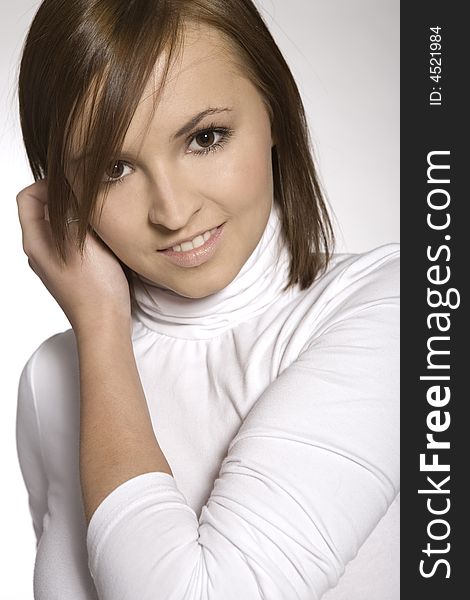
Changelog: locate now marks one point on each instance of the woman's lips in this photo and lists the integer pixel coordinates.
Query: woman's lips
(196, 256)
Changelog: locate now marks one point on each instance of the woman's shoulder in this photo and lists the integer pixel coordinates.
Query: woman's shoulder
(375, 264)
(50, 372)
(372, 274)
(57, 354)
(351, 285)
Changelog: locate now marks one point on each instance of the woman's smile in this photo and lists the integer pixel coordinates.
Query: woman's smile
(194, 253)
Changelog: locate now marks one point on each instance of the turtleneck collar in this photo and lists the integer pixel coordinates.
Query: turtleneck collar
(257, 285)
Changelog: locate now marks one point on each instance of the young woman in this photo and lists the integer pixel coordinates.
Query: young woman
(221, 422)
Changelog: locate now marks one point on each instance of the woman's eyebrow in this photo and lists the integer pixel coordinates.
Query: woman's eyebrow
(195, 120)
(187, 127)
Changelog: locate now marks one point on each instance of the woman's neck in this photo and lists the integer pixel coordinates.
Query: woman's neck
(256, 286)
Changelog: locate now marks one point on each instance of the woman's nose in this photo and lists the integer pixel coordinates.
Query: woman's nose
(172, 203)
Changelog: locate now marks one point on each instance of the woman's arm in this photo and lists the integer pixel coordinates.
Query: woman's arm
(116, 436)
(117, 441)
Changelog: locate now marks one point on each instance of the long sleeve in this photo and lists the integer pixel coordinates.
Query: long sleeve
(29, 450)
(310, 473)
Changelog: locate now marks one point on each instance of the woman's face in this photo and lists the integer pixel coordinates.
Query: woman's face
(171, 186)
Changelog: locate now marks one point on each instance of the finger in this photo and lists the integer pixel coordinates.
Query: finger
(32, 202)
(38, 189)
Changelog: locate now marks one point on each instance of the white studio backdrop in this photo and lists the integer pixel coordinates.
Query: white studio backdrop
(344, 55)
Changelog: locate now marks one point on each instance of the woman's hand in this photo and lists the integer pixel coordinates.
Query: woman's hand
(91, 292)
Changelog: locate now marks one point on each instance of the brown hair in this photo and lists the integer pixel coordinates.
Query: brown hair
(100, 53)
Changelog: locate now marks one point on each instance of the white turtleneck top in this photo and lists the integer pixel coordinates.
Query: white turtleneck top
(278, 413)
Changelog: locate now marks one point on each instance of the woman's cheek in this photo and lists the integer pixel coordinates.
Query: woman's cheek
(246, 173)
(256, 175)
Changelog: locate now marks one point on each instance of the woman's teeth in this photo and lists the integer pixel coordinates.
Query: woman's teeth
(199, 240)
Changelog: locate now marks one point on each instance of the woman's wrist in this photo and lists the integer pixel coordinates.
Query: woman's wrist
(101, 328)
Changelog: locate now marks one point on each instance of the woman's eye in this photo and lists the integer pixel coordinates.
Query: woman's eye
(114, 174)
(209, 140)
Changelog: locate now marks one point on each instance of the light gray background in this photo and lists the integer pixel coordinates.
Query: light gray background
(344, 55)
